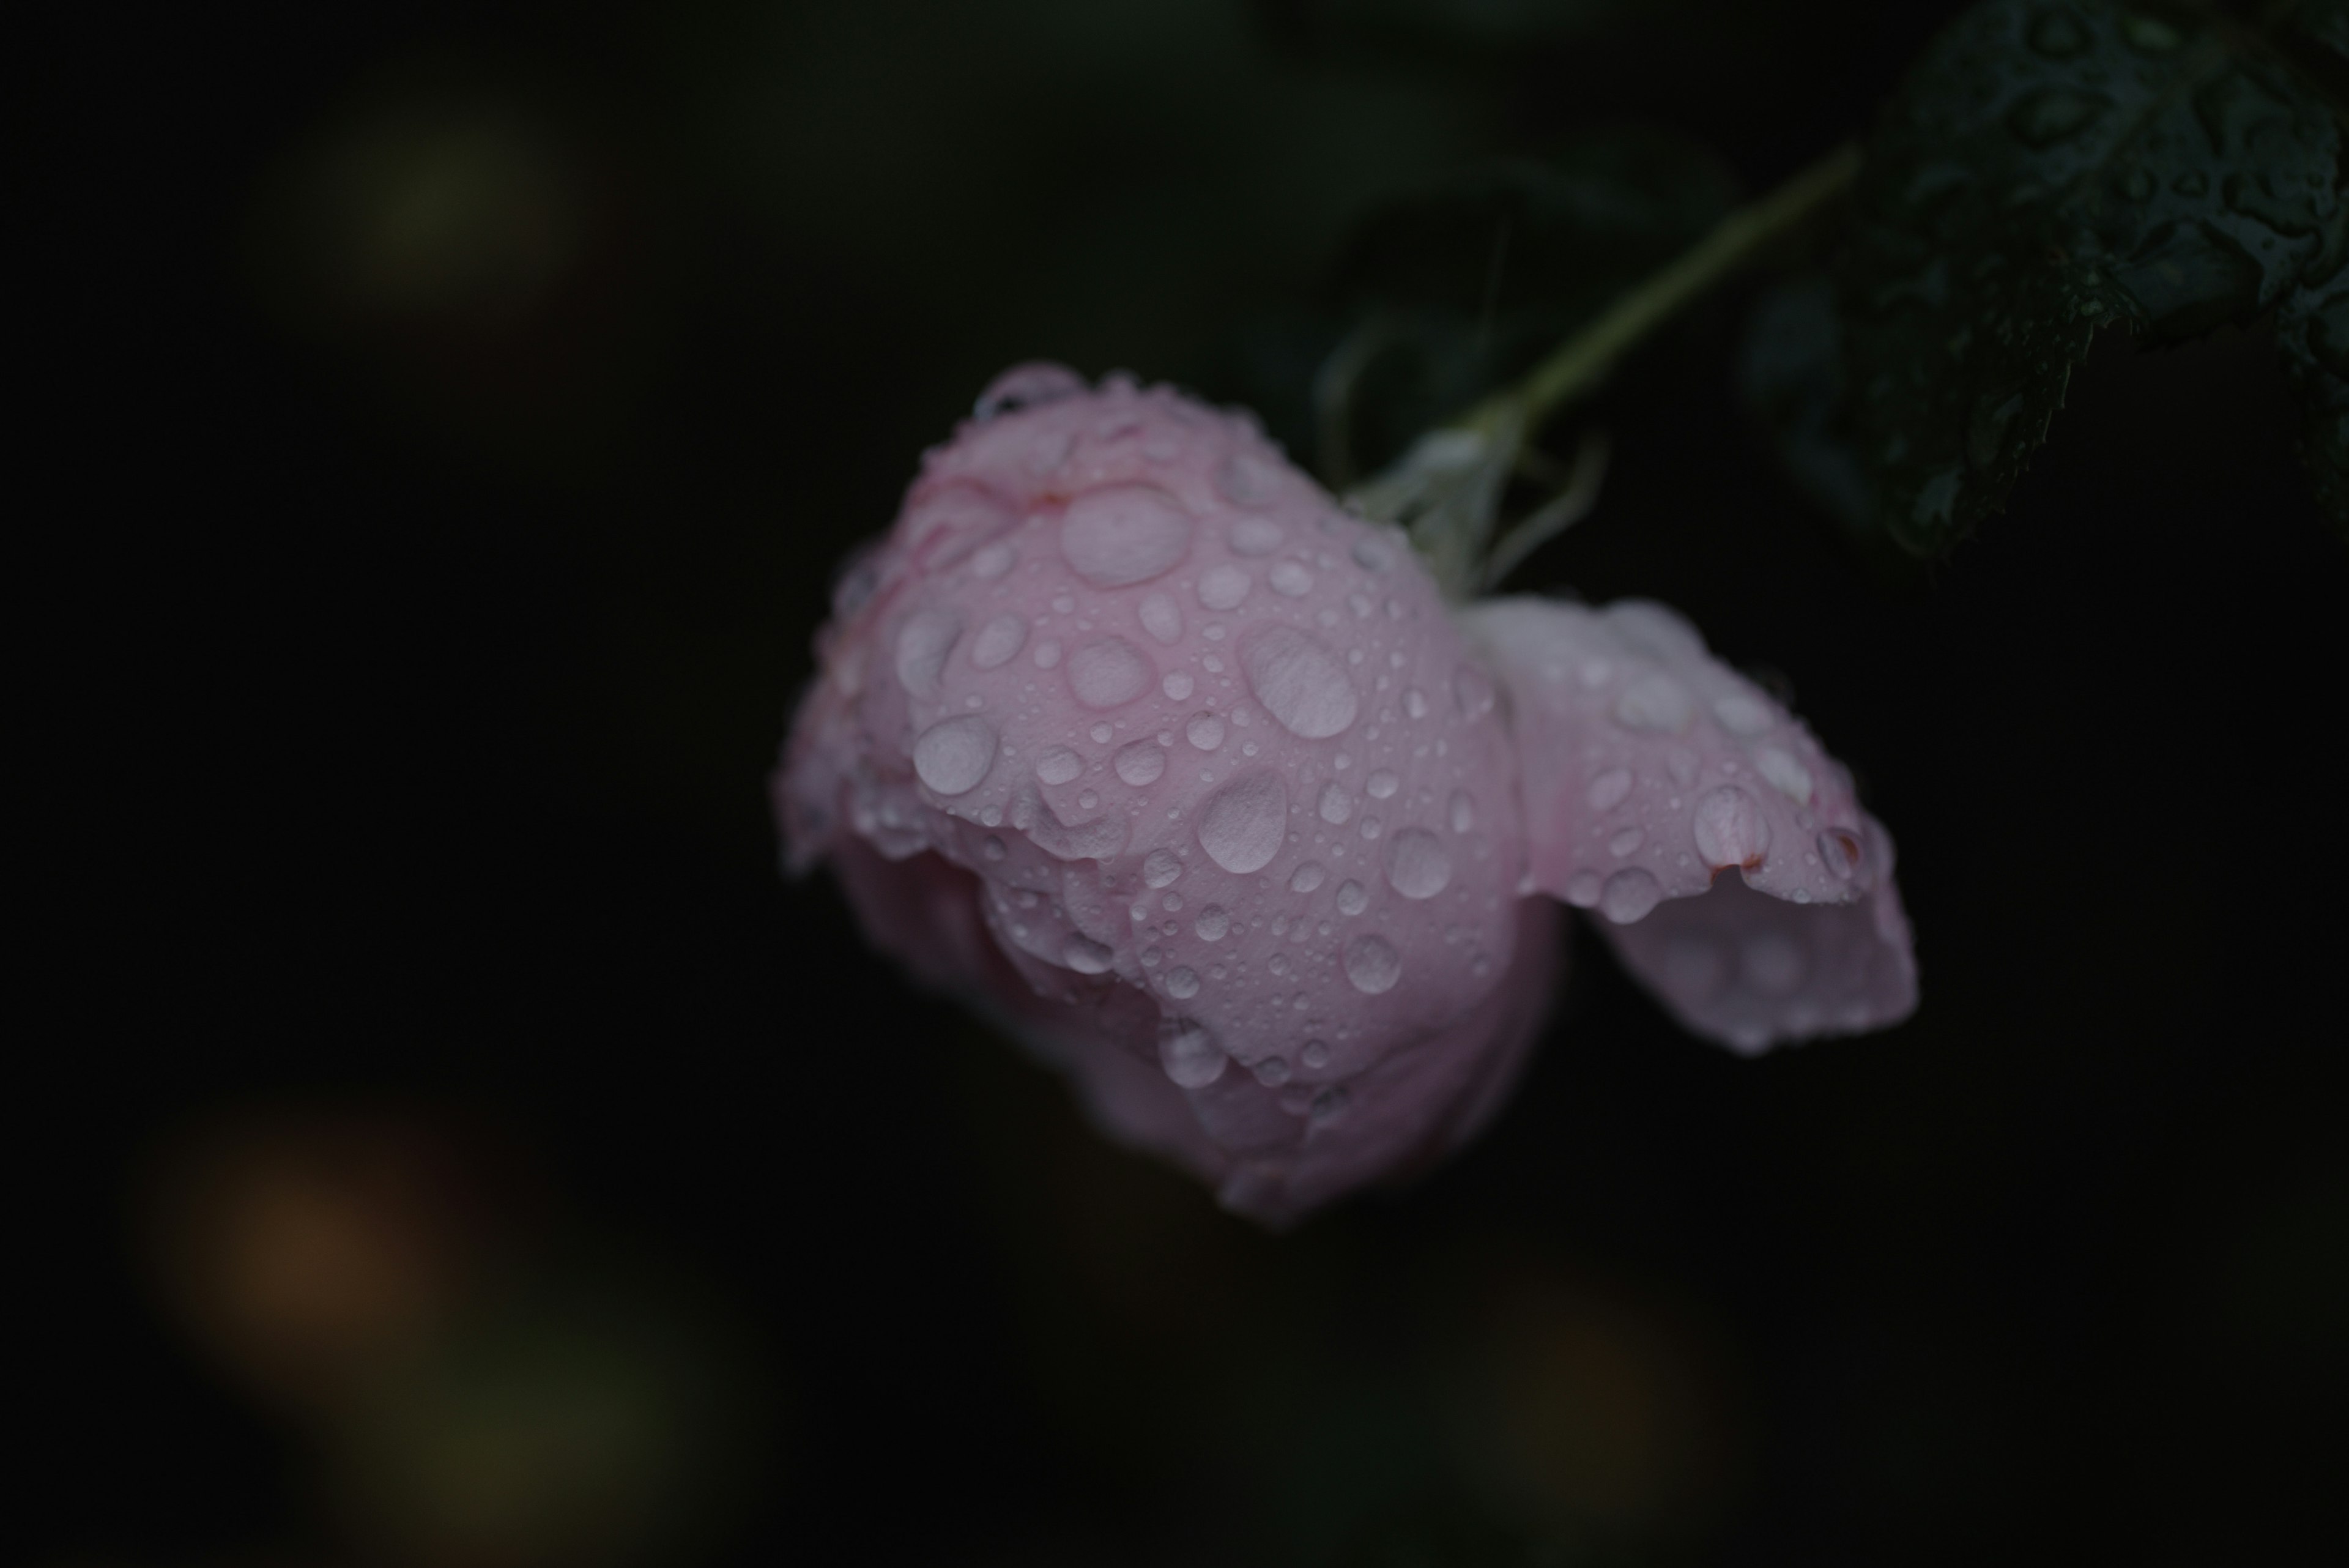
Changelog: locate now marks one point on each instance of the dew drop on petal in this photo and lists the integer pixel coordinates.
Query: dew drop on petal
(923, 644)
(1373, 965)
(1058, 764)
(1300, 683)
(1212, 924)
(1141, 762)
(1291, 580)
(1839, 851)
(999, 641)
(1109, 671)
(1352, 898)
(1306, 877)
(1182, 983)
(1255, 536)
(1124, 534)
(1582, 890)
(1162, 617)
(1047, 655)
(1741, 715)
(954, 755)
(1241, 825)
(1381, 785)
(1160, 869)
(1205, 731)
(1336, 806)
(1178, 685)
(1628, 895)
(1188, 1053)
(1655, 704)
(1626, 839)
(1372, 554)
(1414, 703)
(1086, 956)
(1729, 828)
(1315, 1053)
(993, 560)
(1222, 587)
(1608, 790)
(1272, 1072)
(1418, 866)
(1791, 778)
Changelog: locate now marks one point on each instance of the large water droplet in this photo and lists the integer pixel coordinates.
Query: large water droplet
(1741, 715)
(1608, 790)
(1352, 898)
(1126, 534)
(1791, 778)
(1162, 868)
(1241, 825)
(1731, 829)
(1291, 579)
(1141, 764)
(1086, 956)
(1188, 1053)
(1628, 895)
(1336, 804)
(1306, 877)
(1372, 554)
(1300, 683)
(923, 644)
(1222, 587)
(1655, 704)
(1058, 764)
(1205, 731)
(1373, 965)
(1418, 866)
(1255, 536)
(1582, 890)
(998, 641)
(1181, 982)
(1625, 840)
(1108, 672)
(1212, 924)
(1382, 784)
(954, 755)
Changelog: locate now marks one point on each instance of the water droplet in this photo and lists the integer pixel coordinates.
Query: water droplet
(1418, 866)
(1212, 924)
(1371, 827)
(1255, 536)
(1126, 534)
(1279, 962)
(1464, 810)
(1246, 477)
(998, 641)
(1655, 704)
(1300, 683)
(1160, 869)
(1731, 829)
(1141, 764)
(1382, 784)
(1626, 839)
(1372, 554)
(1162, 617)
(993, 560)
(1058, 764)
(1183, 984)
(1272, 1072)
(954, 755)
(2052, 114)
(1188, 1053)
(1839, 851)
(1352, 898)
(1792, 778)
(992, 847)
(1608, 790)
(1472, 690)
(1101, 734)
(923, 644)
(1582, 890)
(1336, 804)
(1108, 672)
(1241, 825)
(1315, 1053)
(1086, 956)
(1741, 715)
(1291, 580)
(1205, 731)
(1047, 655)
(1306, 877)
(1414, 702)
(1222, 587)
(1630, 894)
(1772, 964)
(1373, 965)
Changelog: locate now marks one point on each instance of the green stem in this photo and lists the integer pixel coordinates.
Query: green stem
(1583, 362)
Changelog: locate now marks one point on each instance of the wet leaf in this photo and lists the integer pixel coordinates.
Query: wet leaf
(2045, 171)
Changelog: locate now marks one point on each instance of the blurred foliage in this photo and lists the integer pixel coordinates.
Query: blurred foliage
(2044, 171)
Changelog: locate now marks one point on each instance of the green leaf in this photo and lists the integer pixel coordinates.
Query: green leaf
(1454, 291)
(2047, 169)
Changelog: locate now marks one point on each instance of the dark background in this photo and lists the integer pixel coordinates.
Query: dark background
(433, 582)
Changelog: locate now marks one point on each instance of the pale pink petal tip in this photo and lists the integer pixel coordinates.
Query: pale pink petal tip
(1648, 770)
(1128, 733)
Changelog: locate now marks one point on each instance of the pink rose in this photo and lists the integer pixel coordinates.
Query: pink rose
(1130, 736)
